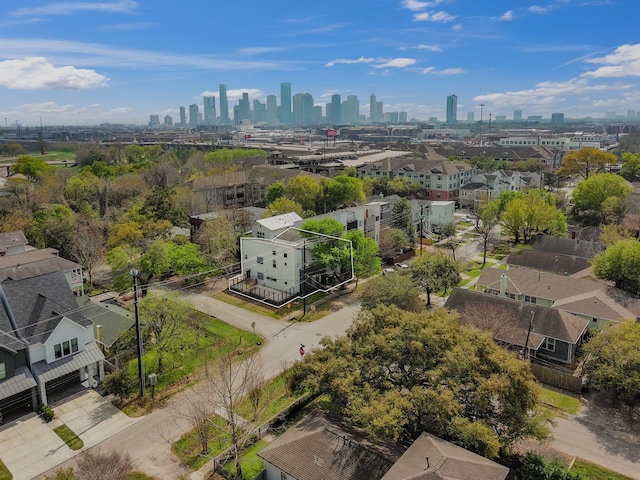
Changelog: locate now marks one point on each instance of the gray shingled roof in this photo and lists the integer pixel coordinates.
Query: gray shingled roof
(38, 304)
(548, 261)
(11, 239)
(566, 246)
(34, 263)
(548, 322)
(431, 458)
(319, 448)
(113, 319)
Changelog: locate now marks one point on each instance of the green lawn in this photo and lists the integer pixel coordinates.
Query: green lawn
(71, 439)
(251, 464)
(5, 474)
(190, 349)
(503, 266)
(188, 449)
(254, 307)
(140, 476)
(277, 397)
(560, 401)
(595, 472)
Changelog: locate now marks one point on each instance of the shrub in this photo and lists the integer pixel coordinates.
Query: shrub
(47, 413)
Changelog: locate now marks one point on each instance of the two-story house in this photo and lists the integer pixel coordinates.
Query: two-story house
(41, 313)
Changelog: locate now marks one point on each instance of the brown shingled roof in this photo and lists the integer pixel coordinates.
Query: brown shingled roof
(550, 262)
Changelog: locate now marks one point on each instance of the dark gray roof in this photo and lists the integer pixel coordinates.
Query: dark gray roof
(431, 458)
(11, 239)
(549, 262)
(39, 303)
(320, 448)
(566, 246)
(548, 322)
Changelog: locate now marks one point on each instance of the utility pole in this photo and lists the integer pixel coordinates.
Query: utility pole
(134, 274)
(526, 342)
(303, 285)
(421, 225)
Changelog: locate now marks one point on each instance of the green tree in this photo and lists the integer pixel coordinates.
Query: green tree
(398, 374)
(620, 263)
(32, 167)
(402, 218)
(274, 192)
(590, 195)
(388, 290)
(614, 361)
(119, 384)
(630, 165)
(585, 162)
(82, 189)
(365, 253)
(329, 251)
(340, 192)
(281, 206)
(162, 317)
(529, 212)
(434, 272)
(63, 474)
(218, 241)
(404, 187)
(52, 226)
(489, 219)
(160, 205)
(391, 241)
(305, 190)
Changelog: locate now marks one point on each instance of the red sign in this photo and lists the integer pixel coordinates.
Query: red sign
(302, 351)
(332, 133)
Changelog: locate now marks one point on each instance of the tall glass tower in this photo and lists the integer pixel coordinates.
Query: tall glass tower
(209, 110)
(285, 102)
(224, 105)
(336, 109)
(452, 109)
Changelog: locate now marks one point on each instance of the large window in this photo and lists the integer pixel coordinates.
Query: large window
(549, 344)
(3, 371)
(65, 348)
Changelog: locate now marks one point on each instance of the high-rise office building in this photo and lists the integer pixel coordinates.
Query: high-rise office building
(317, 114)
(154, 120)
(168, 121)
(402, 117)
(470, 117)
(452, 109)
(259, 112)
(336, 109)
(224, 105)
(557, 118)
(351, 113)
(517, 115)
(285, 102)
(193, 115)
(209, 110)
(375, 110)
(183, 117)
(307, 109)
(244, 109)
(272, 110)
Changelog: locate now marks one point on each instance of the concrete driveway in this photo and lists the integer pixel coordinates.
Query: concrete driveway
(29, 447)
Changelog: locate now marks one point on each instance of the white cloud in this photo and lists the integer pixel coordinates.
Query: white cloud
(45, 108)
(623, 62)
(70, 8)
(36, 73)
(396, 63)
(538, 9)
(446, 71)
(347, 61)
(124, 27)
(547, 93)
(457, 27)
(259, 50)
(431, 48)
(416, 6)
(443, 17)
(507, 16)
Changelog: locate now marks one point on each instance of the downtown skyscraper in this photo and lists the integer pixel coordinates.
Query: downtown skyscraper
(224, 105)
(209, 110)
(285, 103)
(452, 109)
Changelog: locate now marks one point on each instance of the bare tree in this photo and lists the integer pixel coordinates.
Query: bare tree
(88, 245)
(98, 465)
(491, 317)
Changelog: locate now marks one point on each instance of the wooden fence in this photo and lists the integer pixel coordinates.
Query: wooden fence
(556, 378)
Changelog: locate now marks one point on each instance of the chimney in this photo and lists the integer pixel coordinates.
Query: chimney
(99, 334)
(503, 285)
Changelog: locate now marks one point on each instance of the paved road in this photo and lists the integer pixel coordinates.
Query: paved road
(148, 441)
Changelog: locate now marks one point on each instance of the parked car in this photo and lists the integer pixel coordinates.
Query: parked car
(388, 270)
(401, 265)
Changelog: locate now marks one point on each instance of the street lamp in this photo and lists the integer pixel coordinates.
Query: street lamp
(134, 274)
(481, 107)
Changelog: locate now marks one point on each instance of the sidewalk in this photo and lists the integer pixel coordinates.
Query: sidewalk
(29, 447)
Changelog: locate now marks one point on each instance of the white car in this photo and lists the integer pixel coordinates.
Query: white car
(402, 265)
(386, 271)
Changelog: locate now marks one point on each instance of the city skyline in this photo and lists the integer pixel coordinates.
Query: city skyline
(121, 61)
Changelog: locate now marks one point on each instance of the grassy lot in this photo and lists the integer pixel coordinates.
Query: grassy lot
(560, 402)
(595, 472)
(140, 476)
(5, 474)
(251, 464)
(71, 439)
(251, 306)
(190, 349)
(503, 266)
(278, 399)
(187, 448)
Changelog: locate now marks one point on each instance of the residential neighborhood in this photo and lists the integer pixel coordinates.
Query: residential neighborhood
(409, 316)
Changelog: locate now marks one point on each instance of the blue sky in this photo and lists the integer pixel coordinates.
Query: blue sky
(88, 62)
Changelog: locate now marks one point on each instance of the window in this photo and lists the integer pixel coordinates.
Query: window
(65, 348)
(259, 259)
(274, 264)
(529, 299)
(549, 344)
(3, 371)
(260, 235)
(57, 350)
(283, 476)
(74, 345)
(274, 252)
(285, 255)
(260, 276)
